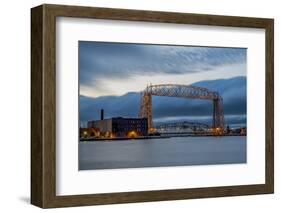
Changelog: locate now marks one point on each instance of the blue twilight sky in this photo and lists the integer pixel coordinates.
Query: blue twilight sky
(118, 68)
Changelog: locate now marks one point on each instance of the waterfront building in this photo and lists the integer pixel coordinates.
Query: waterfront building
(120, 127)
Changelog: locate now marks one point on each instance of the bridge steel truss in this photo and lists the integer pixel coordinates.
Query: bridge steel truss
(181, 125)
(181, 91)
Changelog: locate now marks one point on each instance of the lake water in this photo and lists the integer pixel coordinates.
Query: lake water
(175, 151)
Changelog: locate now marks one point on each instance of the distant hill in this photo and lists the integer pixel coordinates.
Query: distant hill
(232, 90)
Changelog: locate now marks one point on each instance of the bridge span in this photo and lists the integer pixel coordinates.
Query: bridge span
(181, 127)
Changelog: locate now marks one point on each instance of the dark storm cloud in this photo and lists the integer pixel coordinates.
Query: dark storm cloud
(118, 60)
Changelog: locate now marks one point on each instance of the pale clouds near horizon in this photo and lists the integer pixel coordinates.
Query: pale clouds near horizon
(116, 69)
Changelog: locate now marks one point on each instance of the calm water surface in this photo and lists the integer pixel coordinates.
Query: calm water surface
(176, 151)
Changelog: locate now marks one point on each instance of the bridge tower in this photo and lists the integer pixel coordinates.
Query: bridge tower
(146, 107)
(218, 117)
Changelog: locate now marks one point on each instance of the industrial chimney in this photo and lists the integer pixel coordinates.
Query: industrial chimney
(101, 114)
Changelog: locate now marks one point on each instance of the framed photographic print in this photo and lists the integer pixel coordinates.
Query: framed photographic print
(135, 106)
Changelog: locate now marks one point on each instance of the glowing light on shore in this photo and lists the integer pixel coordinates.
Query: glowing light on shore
(132, 134)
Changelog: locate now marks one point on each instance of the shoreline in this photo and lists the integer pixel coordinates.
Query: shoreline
(154, 137)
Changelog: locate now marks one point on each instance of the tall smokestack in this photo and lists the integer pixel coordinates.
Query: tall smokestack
(101, 114)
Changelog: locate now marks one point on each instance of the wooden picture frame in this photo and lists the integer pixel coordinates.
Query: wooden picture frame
(43, 105)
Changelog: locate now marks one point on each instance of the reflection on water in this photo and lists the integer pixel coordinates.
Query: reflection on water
(176, 151)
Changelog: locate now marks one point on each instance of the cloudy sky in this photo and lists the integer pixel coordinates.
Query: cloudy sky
(117, 68)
